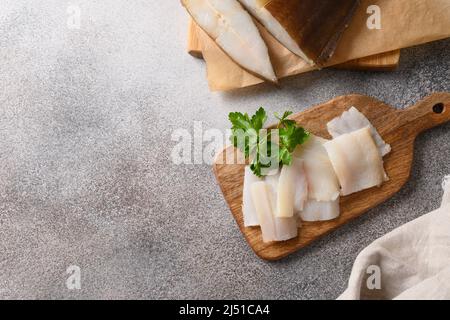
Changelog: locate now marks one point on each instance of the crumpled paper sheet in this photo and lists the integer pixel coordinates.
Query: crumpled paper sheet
(404, 23)
(413, 260)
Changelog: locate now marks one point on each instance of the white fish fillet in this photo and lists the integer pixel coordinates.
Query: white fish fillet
(320, 210)
(248, 208)
(292, 189)
(234, 30)
(261, 199)
(353, 120)
(322, 181)
(301, 185)
(285, 228)
(272, 228)
(356, 161)
(286, 192)
(256, 8)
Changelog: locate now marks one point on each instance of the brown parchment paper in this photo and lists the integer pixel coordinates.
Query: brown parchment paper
(404, 23)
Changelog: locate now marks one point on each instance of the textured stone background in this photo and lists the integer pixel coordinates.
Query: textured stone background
(86, 118)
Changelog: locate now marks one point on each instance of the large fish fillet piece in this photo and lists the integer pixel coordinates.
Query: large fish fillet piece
(356, 160)
(322, 181)
(323, 187)
(315, 25)
(256, 8)
(320, 210)
(291, 189)
(248, 208)
(301, 185)
(353, 120)
(272, 228)
(285, 228)
(260, 196)
(235, 32)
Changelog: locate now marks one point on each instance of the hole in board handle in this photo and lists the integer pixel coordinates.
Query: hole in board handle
(438, 108)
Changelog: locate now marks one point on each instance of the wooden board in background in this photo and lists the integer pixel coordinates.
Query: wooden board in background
(194, 46)
(387, 61)
(383, 62)
(399, 128)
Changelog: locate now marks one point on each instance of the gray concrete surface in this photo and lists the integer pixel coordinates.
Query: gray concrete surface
(86, 177)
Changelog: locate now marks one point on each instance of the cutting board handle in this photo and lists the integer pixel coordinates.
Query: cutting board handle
(430, 112)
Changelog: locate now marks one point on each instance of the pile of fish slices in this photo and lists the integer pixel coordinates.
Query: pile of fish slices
(322, 171)
(310, 29)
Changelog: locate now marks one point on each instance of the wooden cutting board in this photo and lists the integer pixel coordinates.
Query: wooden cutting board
(381, 62)
(399, 128)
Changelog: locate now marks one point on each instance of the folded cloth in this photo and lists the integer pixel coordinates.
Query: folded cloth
(413, 261)
(446, 187)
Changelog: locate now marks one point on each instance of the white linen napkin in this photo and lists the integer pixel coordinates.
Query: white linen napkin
(411, 262)
(446, 187)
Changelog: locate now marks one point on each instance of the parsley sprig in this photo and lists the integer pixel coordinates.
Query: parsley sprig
(264, 148)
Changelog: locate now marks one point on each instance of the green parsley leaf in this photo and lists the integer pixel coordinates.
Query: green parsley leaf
(259, 119)
(259, 148)
(285, 156)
